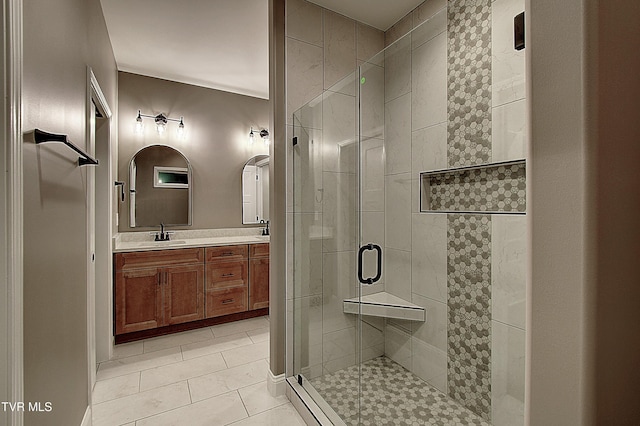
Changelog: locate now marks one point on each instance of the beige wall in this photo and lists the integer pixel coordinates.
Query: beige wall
(584, 318)
(217, 127)
(618, 199)
(60, 39)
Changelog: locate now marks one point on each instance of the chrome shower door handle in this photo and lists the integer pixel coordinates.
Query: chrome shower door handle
(364, 248)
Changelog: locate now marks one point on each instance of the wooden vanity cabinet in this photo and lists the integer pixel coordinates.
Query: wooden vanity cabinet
(258, 276)
(164, 291)
(149, 296)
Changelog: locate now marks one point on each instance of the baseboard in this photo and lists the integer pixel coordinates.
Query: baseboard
(277, 385)
(86, 420)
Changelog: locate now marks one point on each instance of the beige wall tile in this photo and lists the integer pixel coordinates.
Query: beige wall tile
(400, 28)
(427, 30)
(304, 74)
(434, 330)
(508, 269)
(370, 41)
(397, 69)
(308, 254)
(339, 132)
(372, 174)
(429, 149)
(398, 212)
(339, 273)
(397, 346)
(339, 47)
(426, 10)
(429, 256)
(507, 375)
(372, 100)
(430, 364)
(397, 273)
(429, 83)
(339, 213)
(509, 131)
(507, 64)
(304, 21)
(398, 135)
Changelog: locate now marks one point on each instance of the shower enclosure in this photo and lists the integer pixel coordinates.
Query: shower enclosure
(409, 229)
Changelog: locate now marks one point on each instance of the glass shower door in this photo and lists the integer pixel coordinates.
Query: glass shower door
(326, 230)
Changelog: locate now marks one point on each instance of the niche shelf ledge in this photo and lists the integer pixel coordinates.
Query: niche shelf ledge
(384, 305)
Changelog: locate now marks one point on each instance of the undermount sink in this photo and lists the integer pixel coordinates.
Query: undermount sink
(159, 243)
(262, 237)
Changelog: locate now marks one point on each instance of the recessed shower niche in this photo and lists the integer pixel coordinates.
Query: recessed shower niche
(489, 188)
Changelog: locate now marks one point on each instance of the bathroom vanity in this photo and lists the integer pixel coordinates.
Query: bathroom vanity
(187, 283)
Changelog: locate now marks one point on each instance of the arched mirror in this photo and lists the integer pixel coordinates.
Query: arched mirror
(160, 185)
(255, 190)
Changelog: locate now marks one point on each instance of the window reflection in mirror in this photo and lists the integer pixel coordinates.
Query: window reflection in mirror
(160, 182)
(255, 190)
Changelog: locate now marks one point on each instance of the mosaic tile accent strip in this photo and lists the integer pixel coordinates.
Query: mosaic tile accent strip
(472, 387)
(469, 82)
(391, 395)
(487, 189)
(469, 311)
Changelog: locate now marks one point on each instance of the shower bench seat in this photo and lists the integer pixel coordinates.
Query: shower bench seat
(384, 305)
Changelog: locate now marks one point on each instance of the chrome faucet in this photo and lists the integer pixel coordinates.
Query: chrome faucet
(265, 231)
(163, 236)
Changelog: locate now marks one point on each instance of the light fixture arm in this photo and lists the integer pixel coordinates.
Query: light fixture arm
(161, 121)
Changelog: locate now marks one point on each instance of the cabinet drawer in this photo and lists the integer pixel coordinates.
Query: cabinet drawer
(259, 250)
(227, 274)
(157, 258)
(226, 301)
(226, 253)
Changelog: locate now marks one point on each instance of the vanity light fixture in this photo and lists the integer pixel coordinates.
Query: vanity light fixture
(264, 134)
(161, 121)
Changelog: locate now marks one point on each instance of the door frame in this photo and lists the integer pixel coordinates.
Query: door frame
(11, 229)
(95, 96)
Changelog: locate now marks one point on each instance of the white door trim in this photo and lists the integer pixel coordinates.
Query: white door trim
(14, 204)
(95, 96)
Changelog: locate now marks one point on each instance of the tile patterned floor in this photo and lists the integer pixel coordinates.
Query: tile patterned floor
(211, 376)
(392, 395)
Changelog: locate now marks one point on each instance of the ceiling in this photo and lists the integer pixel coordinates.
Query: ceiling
(381, 14)
(219, 44)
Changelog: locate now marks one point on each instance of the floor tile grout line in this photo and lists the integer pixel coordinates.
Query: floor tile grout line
(209, 373)
(237, 391)
(215, 352)
(135, 420)
(141, 370)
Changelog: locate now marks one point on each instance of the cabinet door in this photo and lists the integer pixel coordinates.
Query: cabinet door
(258, 283)
(183, 293)
(138, 300)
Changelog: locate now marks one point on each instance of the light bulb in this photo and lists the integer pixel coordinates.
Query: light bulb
(139, 126)
(252, 138)
(160, 128)
(181, 128)
(266, 141)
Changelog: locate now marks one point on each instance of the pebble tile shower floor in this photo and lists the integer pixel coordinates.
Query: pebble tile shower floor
(391, 395)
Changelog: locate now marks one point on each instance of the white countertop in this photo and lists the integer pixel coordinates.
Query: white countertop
(144, 241)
